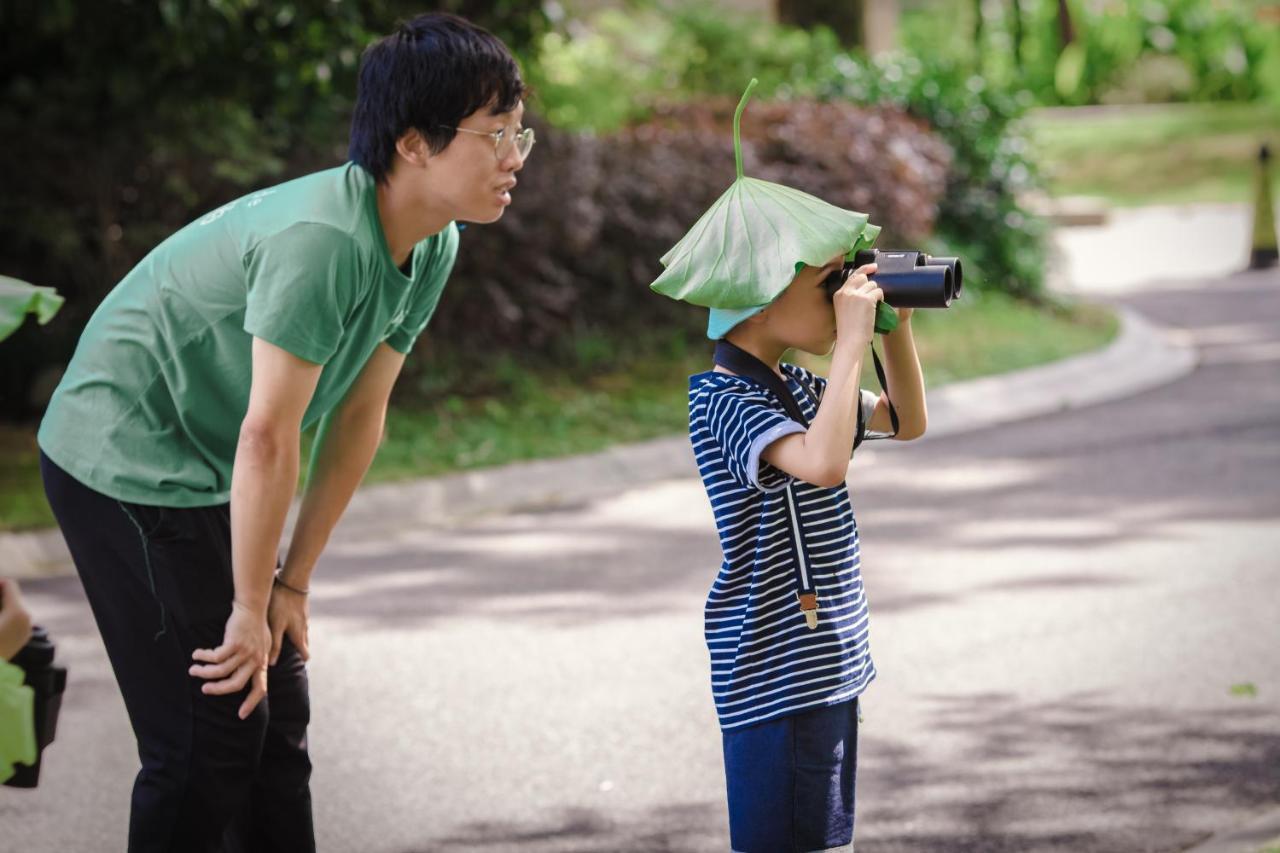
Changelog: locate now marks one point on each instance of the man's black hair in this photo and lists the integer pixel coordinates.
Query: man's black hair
(428, 75)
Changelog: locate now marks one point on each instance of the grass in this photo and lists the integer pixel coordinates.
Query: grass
(548, 415)
(1164, 154)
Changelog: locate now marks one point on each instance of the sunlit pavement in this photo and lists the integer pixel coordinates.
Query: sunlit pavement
(1060, 610)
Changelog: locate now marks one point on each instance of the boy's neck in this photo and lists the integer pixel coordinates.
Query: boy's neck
(406, 219)
(768, 351)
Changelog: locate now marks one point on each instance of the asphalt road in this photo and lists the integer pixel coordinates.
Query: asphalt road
(1061, 608)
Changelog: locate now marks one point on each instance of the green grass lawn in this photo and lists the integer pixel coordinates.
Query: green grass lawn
(1156, 154)
(552, 415)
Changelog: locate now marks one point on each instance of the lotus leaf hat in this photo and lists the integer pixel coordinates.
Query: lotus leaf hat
(744, 251)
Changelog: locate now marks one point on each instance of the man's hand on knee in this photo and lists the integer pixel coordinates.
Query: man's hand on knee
(240, 660)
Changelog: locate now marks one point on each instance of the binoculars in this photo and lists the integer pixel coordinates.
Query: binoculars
(48, 682)
(909, 279)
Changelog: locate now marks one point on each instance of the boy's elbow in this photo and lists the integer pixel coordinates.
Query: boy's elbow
(910, 433)
(830, 477)
(913, 428)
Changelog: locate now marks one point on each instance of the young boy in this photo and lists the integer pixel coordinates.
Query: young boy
(786, 619)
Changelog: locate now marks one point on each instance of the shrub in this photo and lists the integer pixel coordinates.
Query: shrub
(563, 277)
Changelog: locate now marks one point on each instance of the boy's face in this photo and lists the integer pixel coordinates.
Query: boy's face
(467, 177)
(803, 316)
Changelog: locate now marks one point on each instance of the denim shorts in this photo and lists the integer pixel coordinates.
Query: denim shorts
(791, 781)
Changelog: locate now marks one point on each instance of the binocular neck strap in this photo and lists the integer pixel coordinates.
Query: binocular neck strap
(893, 413)
(743, 363)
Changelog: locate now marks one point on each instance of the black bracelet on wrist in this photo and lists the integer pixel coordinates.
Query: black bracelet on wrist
(279, 580)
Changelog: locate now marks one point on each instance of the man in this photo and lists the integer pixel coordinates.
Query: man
(170, 449)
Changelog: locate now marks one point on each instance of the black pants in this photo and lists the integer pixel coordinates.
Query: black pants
(160, 584)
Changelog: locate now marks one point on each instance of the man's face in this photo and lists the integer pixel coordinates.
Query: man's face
(468, 177)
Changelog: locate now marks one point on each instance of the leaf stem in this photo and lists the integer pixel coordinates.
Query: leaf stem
(737, 121)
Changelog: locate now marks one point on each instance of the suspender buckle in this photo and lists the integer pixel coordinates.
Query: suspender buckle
(809, 606)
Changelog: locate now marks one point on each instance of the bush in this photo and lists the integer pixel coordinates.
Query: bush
(981, 216)
(1172, 50)
(698, 49)
(563, 278)
(122, 121)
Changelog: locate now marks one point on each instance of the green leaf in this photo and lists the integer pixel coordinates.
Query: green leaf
(745, 250)
(1247, 689)
(18, 298)
(1070, 69)
(886, 318)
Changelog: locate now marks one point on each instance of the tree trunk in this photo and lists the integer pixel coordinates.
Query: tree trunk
(844, 17)
(1066, 30)
(1016, 10)
(977, 34)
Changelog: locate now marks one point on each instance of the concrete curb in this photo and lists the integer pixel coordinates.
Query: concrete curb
(1142, 357)
(1251, 837)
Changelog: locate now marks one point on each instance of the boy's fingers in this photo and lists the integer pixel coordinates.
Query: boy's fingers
(256, 694)
(217, 655)
(210, 670)
(233, 684)
(276, 634)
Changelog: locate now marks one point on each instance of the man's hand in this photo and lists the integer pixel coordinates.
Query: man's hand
(15, 621)
(241, 657)
(287, 614)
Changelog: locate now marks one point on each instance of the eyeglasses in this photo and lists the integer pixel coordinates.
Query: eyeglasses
(504, 143)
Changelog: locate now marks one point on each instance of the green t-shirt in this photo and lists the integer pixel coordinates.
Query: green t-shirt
(150, 407)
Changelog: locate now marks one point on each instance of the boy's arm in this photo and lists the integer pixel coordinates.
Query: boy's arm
(821, 454)
(345, 447)
(264, 476)
(906, 384)
(343, 455)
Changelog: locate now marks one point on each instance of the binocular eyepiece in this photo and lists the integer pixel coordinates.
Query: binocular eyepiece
(909, 279)
(47, 681)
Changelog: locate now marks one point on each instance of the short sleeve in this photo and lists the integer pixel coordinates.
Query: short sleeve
(426, 297)
(869, 401)
(743, 423)
(301, 289)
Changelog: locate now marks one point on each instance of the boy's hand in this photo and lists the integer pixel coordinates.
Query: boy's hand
(855, 304)
(240, 660)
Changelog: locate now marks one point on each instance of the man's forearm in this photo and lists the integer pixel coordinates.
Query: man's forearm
(263, 481)
(347, 447)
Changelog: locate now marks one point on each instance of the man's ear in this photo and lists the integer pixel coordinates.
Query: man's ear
(413, 149)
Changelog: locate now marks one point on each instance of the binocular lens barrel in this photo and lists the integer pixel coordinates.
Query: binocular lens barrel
(911, 279)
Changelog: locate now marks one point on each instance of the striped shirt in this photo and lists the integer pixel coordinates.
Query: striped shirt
(765, 661)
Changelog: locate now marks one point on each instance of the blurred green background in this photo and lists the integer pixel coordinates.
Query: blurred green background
(949, 121)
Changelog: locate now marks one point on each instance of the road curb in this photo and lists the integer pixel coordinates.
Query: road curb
(1142, 357)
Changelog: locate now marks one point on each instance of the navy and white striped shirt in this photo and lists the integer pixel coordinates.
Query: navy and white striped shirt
(765, 661)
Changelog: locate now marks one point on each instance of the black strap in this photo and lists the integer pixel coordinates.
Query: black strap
(745, 364)
(893, 412)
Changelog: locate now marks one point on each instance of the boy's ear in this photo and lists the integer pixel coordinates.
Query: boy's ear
(413, 148)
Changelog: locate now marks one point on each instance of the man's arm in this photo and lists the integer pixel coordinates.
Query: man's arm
(347, 442)
(345, 450)
(264, 478)
(906, 384)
